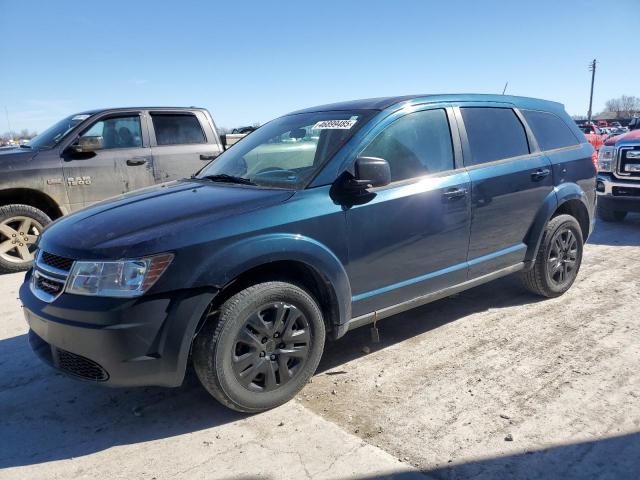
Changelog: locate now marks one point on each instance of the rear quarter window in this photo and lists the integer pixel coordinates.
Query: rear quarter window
(550, 131)
(493, 134)
(177, 129)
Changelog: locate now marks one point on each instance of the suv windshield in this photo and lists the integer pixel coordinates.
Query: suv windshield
(52, 135)
(289, 151)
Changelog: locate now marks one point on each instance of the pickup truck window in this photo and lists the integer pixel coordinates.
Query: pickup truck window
(289, 151)
(494, 134)
(119, 132)
(550, 131)
(415, 145)
(177, 129)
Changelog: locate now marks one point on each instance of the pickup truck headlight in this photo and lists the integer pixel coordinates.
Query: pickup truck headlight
(122, 278)
(606, 159)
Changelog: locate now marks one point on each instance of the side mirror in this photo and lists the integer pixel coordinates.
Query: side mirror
(87, 145)
(371, 172)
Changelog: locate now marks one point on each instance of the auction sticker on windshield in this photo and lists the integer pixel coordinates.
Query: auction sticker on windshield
(334, 125)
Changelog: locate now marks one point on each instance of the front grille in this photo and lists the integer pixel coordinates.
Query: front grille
(56, 261)
(50, 286)
(80, 366)
(629, 162)
(625, 192)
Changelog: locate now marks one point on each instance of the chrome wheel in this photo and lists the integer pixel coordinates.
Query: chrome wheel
(272, 347)
(18, 236)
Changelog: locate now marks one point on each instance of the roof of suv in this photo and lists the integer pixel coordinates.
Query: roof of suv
(381, 103)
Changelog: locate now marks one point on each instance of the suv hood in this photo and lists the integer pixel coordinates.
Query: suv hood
(160, 218)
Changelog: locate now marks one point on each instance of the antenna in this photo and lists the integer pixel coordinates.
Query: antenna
(505, 87)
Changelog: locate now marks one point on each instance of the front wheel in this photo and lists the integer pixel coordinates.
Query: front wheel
(261, 347)
(20, 226)
(559, 257)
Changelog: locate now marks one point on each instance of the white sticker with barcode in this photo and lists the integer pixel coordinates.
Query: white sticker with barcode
(334, 125)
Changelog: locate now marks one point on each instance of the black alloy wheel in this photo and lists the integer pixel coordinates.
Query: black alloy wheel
(272, 347)
(259, 348)
(563, 257)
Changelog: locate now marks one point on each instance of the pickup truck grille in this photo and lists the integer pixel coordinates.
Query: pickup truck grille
(629, 162)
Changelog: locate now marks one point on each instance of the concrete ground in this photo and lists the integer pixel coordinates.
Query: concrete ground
(490, 383)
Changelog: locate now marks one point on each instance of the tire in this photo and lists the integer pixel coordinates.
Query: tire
(609, 215)
(559, 257)
(241, 353)
(20, 226)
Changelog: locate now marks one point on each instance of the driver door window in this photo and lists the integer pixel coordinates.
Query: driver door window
(415, 145)
(119, 132)
(109, 158)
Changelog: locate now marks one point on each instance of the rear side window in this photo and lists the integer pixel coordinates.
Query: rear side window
(417, 144)
(494, 134)
(177, 129)
(550, 131)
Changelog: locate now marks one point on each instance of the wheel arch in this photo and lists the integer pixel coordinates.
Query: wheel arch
(566, 199)
(294, 258)
(33, 198)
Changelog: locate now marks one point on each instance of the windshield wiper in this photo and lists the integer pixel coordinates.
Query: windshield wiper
(26, 146)
(225, 178)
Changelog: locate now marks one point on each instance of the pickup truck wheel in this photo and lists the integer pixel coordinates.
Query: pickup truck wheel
(559, 257)
(261, 347)
(609, 215)
(20, 226)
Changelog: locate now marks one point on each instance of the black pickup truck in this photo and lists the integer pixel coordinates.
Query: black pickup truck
(92, 156)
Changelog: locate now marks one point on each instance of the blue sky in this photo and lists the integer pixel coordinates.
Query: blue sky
(256, 61)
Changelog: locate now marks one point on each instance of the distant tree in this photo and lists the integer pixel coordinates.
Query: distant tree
(26, 134)
(625, 106)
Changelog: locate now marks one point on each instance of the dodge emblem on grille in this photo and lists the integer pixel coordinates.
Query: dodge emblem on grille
(56, 287)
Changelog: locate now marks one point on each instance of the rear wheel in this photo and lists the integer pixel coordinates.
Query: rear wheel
(20, 226)
(559, 257)
(261, 347)
(610, 215)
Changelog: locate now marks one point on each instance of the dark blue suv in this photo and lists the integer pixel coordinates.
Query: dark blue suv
(318, 222)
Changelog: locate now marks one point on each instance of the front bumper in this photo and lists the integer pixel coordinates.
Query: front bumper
(133, 342)
(617, 194)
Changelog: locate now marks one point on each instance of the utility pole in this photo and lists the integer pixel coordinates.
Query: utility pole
(592, 69)
(6, 112)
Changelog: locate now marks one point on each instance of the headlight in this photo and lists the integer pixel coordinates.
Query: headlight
(606, 159)
(122, 278)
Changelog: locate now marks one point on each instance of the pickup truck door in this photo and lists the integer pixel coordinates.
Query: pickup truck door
(116, 159)
(181, 143)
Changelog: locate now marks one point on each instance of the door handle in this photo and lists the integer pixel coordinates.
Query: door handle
(136, 161)
(540, 173)
(454, 193)
(208, 157)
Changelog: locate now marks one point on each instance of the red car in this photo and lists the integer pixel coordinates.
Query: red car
(595, 137)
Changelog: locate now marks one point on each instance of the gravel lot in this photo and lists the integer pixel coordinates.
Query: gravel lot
(490, 383)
